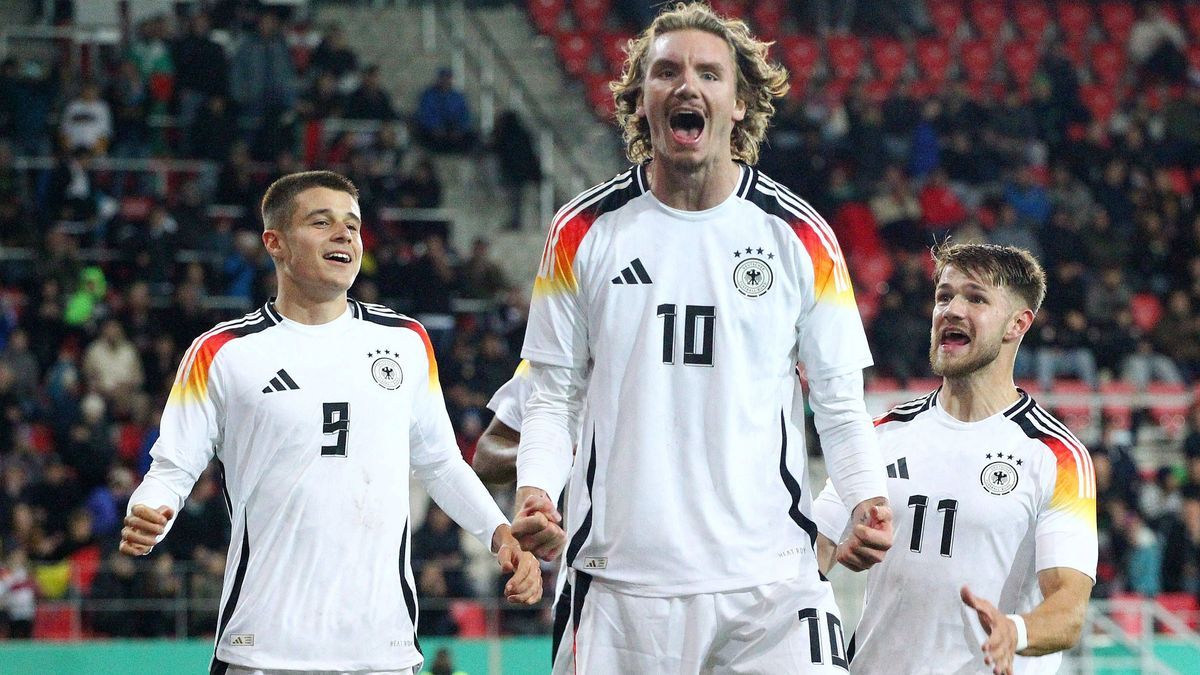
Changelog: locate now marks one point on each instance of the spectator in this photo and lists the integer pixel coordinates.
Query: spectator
(116, 584)
(439, 561)
(370, 101)
(1108, 295)
(1156, 45)
(421, 189)
(18, 595)
(432, 285)
(1011, 230)
(480, 277)
(214, 133)
(87, 122)
(519, 164)
(907, 337)
(111, 362)
(1181, 545)
(941, 209)
(1029, 199)
(898, 212)
(72, 196)
(443, 119)
(23, 365)
(201, 70)
(1161, 499)
(322, 100)
(263, 83)
(332, 56)
(34, 94)
(130, 102)
(1066, 350)
(1146, 365)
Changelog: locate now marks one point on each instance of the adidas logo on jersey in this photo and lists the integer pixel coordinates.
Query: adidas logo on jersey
(595, 563)
(634, 274)
(281, 382)
(898, 468)
(241, 640)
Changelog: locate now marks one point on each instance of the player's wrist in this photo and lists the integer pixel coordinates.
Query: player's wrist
(1022, 632)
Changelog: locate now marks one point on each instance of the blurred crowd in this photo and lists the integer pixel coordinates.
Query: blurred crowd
(126, 266)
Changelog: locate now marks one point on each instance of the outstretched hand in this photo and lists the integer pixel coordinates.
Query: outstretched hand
(1001, 645)
(870, 538)
(143, 527)
(536, 526)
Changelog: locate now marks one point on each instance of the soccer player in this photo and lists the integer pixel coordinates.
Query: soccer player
(317, 407)
(692, 284)
(997, 545)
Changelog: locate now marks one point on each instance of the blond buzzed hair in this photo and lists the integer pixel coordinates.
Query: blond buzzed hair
(759, 81)
(279, 201)
(1002, 266)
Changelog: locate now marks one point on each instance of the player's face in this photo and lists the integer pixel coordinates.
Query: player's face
(972, 319)
(689, 98)
(320, 251)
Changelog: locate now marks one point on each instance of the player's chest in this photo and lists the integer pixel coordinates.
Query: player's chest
(946, 490)
(322, 387)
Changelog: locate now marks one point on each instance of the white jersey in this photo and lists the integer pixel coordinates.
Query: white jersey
(690, 467)
(509, 400)
(315, 429)
(987, 504)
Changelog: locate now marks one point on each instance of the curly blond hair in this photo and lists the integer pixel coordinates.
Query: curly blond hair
(759, 81)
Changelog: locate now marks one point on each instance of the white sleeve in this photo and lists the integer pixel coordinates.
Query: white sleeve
(509, 400)
(438, 464)
(544, 456)
(848, 438)
(191, 427)
(1065, 533)
(830, 514)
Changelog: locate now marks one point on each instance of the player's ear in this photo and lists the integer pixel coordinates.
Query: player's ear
(1019, 325)
(739, 110)
(273, 241)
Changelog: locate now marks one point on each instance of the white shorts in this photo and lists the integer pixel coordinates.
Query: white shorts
(240, 670)
(790, 626)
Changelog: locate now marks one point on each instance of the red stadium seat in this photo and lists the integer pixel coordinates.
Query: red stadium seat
(591, 15)
(933, 59)
(1108, 62)
(845, 56)
(575, 51)
(471, 618)
(768, 16)
(1191, 19)
(868, 306)
(1030, 387)
(1118, 403)
(977, 60)
(1183, 605)
(734, 9)
(889, 57)
(547, 15)
(878, 91)
(600, 96)
(946, 16)
(1075, 20)
(1077, 54)
(1193, 57)
(872, 269)
(1075, 411)
(1032, 18)
(612, 46)
(1147, 310)
(1022, 58)
(1117, 18)
(988, 17)
(1170, 413)
(801, 54)
(856, 230)
(1100, 102)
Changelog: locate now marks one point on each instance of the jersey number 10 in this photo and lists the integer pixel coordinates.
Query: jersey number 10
(698, 324)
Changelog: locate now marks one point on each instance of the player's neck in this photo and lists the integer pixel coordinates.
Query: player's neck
(693, 189)
(302, 308)
(979, 395)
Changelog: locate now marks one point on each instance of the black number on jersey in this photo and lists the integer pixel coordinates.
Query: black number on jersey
(837, 643)
(947, 506)
(699, 322)
(337, 424)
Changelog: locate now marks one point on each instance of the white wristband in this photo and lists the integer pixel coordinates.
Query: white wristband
(1022, 632)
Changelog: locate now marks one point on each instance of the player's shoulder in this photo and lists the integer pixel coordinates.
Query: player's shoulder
(776, 199)
(603, 198)
(1042, 427)
(224, 332)
(381, 315)
(908, 411)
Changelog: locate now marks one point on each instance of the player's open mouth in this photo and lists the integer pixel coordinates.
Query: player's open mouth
(686, 126)
(338, 257)
(952, 337)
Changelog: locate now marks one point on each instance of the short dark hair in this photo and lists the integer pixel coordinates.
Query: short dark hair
(1003, 266)
(280, 199)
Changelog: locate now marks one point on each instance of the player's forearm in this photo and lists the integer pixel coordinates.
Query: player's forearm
(544, 454)
(848, 438)
(458, 492)
(164, 485)
(496, 455)
(826, 554)
(1055, 624)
